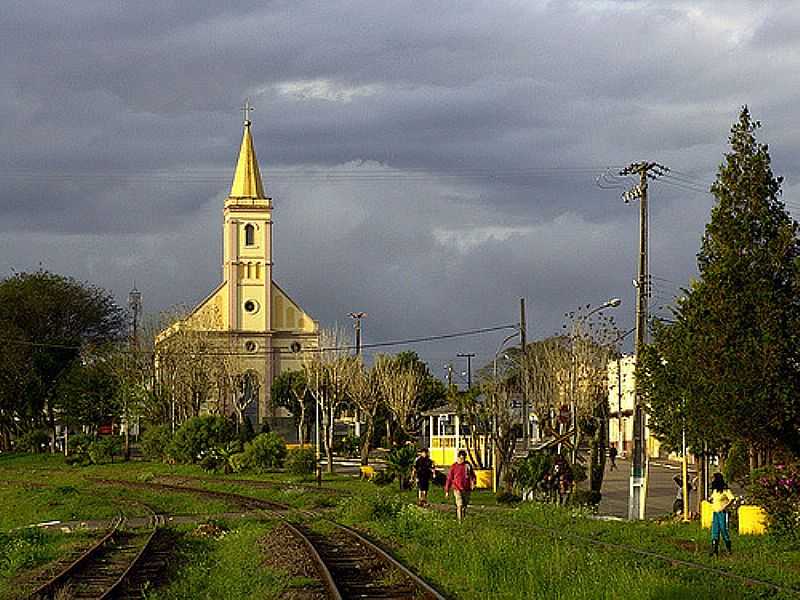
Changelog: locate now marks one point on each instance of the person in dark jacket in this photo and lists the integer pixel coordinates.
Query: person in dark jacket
(423, 472)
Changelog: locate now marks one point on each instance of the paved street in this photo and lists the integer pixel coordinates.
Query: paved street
(660, 493)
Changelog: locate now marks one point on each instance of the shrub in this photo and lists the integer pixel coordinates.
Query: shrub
(777, 490)
(79, 449)
(384, 477)
(350, 446)
(104, 449)
(302, 462)
(265, 452)
(399, 463)
(737, 463)
(198, 435)
(155, 442)
(527, 473)
(35, 440)
(504, 497)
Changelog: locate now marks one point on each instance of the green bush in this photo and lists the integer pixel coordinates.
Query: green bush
(777, 490)
(350, 446)
(155, 442)
(198, 435)
(737, 463)
(79, 449)
(265, 452)
(35, 440)
(504, 497)
(384, 477)
(527, 473)
(302, 462)
(399, 463)
(104, 449)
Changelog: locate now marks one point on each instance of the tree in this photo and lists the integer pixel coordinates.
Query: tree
(730, 366)
(401, 383)
(196, 367)
(53, 320)
(366, 395)
(290, 390)
(328, 372)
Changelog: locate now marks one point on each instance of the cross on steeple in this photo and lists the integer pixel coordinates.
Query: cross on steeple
(246, 111)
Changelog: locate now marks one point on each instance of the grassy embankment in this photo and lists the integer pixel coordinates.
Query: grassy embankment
(534, 551)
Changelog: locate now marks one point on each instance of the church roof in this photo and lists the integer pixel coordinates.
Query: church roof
(247, 178)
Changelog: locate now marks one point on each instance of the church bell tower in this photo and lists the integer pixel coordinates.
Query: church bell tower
(247, 243)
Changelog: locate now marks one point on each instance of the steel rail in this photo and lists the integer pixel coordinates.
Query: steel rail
(322, 568)
(392, 560)
(48, 588)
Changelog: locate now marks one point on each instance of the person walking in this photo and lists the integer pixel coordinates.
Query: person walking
(612, 454)
(677, 505)
(423, 472)
(721, 497)
(461, 479)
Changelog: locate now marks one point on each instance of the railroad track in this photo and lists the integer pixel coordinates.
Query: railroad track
(110, 568)
(247, 502)
(349, 565)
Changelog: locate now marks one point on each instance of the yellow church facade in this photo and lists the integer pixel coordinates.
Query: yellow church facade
(248, 315)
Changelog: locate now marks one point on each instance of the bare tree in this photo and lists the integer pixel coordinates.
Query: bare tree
(329, 372)
(193, 363)
(401, 385)
(365, 393)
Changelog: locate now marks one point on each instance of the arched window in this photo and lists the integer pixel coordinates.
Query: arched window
(249, 235)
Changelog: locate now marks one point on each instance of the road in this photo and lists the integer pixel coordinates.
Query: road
(660, 492)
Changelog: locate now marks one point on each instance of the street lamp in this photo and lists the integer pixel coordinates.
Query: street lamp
(610, 303)
(500, 348)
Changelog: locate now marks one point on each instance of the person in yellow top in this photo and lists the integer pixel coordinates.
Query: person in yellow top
(721, 497)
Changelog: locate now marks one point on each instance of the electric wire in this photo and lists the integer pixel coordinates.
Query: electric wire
(341, 348)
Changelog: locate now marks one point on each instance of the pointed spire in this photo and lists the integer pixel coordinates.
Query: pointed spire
(247, 178)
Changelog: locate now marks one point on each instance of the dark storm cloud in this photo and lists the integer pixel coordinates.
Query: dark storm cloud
(428, 164)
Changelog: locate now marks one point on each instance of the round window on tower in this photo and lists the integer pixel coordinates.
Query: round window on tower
(295, 347)
(250, 346)
(251, 306)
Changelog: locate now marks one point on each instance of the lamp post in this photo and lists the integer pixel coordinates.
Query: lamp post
(620, 423)
(610, 303)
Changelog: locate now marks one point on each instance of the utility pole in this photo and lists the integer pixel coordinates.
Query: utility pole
(638, 482)
(526, 434)
(468, 356)
(449, 369)
(357, 316)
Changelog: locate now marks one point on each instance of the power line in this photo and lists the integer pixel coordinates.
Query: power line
(403, 342)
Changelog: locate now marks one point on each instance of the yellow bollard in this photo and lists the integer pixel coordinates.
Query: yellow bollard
(706, 514)
(752, 520)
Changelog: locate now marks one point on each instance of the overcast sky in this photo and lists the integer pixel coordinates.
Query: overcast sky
(430, 163)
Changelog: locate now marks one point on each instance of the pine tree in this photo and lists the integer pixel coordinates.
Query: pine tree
(731, 363)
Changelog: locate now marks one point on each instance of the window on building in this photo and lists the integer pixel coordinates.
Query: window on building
(249, 235)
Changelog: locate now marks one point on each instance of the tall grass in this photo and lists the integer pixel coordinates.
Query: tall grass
(226, 568)
(486, 559)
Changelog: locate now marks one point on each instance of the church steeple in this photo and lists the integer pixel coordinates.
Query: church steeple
(247, 178)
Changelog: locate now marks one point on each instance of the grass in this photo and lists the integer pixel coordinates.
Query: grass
(23, 552)
(229, 567)
(499, 555)
(534, 550)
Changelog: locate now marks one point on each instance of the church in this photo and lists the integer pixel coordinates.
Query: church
(248, 316)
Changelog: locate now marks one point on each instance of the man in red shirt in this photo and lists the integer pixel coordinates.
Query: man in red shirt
(461, 479)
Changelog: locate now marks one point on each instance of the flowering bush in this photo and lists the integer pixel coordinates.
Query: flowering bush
(777, 490)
